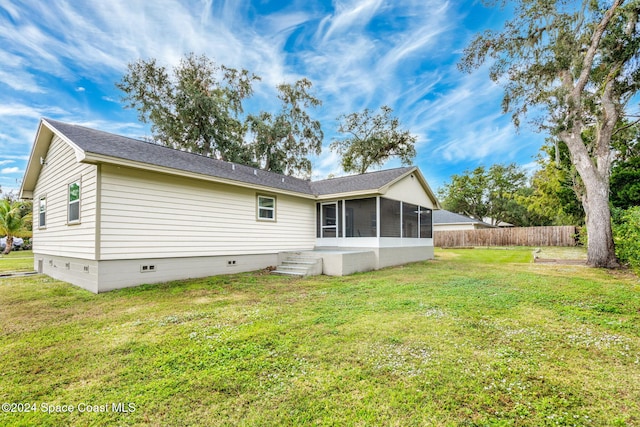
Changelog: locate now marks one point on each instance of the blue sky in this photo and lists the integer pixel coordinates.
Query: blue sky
(61, 59)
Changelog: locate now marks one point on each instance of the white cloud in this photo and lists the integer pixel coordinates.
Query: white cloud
(328, 165)
(20, 81)
(358, 53)
(27, 111)
(478, 144)
(9, 171)
(349, 16)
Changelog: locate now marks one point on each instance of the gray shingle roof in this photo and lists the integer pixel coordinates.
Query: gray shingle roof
(446, 217)
(106, 144)
(366, 181)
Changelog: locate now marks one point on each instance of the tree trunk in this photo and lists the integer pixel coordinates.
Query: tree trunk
(9, 245)
(600, 249)
(595, 176)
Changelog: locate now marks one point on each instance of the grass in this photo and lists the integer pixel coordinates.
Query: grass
(16, 261)
(475, 338)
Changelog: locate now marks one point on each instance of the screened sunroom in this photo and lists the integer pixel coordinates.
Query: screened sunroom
(372, 222)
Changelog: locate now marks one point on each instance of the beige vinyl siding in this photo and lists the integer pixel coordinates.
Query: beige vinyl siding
(58, 237)
(152, 215)
(409, 190)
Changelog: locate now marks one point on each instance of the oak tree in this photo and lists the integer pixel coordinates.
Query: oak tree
(578, 64)
(282, 141)
(196, 107)
(372, 139)
(486, 193)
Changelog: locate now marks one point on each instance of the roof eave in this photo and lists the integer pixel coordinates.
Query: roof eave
(349, 194)
(39, 150)
(37, 157)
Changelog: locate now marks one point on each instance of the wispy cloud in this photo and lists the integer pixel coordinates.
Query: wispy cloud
(61, 59)
(22, 110)
(349, 16)
(9, 171)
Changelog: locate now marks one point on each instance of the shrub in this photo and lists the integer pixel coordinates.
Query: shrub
(626, 234)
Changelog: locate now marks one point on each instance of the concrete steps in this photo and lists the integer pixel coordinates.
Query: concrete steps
(300, 265)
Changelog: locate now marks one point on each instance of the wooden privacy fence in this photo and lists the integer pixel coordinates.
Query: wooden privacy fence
(513, 236)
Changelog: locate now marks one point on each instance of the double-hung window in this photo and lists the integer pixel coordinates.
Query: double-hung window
(266, 208)
(42, 212)
(73, 212)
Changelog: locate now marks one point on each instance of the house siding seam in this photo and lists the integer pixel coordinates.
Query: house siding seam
(61, 168)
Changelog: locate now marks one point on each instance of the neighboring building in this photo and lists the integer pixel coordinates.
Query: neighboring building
(113, 212)
(501, 224)
(448, 221)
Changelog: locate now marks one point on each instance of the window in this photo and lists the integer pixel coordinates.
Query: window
(74, 202)
(267, 208)
(42, 212)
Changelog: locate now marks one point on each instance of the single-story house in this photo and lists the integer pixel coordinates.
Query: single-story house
(444, 220)
(113, 212)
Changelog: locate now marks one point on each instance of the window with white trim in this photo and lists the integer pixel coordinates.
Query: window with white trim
(266, 208)
(74, 202)
(42, 212)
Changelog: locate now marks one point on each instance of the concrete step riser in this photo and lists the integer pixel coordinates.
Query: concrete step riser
(300, 266)
(287, 273)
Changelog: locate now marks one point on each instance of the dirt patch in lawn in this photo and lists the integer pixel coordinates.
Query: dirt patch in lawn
(560, 255)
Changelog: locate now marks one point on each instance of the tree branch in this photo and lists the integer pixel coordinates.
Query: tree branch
(635, 122)
(587, 62)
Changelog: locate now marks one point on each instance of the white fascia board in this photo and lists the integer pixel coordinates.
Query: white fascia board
(79, 152)
(350, 195)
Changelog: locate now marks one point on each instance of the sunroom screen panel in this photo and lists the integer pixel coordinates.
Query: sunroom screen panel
(389, 218)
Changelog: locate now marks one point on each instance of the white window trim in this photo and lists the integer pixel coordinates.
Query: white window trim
(263, 208)
(40, 212)
(324, 227)
(69, 202)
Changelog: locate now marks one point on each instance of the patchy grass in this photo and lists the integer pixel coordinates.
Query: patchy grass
(477, 337)
(16, 261)
(563, 253)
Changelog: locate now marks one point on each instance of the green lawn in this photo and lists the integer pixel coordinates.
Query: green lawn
(16, 261)
(479, 337)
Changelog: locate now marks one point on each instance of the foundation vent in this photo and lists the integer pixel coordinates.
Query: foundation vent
(147, 268)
